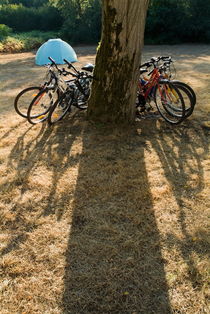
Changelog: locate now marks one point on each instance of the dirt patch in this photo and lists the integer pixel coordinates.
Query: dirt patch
(100, 220)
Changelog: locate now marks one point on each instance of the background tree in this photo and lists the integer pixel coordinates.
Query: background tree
(160, 25)
(114, 90)
(197, 28)
(29, 3)
(82, 20)
(79, 21)
(172, 21)
(36, 17)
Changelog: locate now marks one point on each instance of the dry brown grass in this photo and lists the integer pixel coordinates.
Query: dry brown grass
(99, 220)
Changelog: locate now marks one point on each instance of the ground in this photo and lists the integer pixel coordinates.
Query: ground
(104, 220)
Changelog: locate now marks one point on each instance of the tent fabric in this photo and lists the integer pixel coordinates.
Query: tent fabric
(58, 50)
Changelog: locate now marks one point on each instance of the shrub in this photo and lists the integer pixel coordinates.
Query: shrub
(25, 41)
(4, 31)
(23, 19)
(1, 47)
(11, 44)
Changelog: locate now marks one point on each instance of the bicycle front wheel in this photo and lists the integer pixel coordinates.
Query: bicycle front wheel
(40, 106)
(24, 98)
(60, 108)
(169, 102)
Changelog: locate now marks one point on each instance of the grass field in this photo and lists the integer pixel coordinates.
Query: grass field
(103, 220)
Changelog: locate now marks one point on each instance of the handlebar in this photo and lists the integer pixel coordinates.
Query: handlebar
(154, 61)
(53, 63)
(70, 65)
(64, 72)
(146, 64)
(166, 58)
(78, 74)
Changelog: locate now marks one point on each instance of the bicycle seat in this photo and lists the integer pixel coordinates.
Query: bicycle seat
(154, 59)
(143, 71)
(88, 67)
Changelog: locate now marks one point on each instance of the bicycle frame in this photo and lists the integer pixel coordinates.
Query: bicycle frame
(151, 83)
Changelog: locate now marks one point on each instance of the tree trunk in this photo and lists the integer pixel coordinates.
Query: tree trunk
(118, 58)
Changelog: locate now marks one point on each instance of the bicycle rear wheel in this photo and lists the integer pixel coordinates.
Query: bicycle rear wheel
(40, 106)
(60, 108)
(189, 88)
(24, 98)
(169, 102)
(188, 95)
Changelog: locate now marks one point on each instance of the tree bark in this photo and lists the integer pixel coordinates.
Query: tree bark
(117, 62)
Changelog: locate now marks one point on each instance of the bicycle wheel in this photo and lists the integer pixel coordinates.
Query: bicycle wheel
(169, 102)
(189, 88)
(188, 100)
(24, 98)
(83, 95)
(188, 95)
(60, 108)
(40, 106)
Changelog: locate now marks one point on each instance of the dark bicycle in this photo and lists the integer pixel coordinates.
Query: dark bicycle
(76, 94)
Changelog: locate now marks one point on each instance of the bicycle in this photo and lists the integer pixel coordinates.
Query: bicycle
(40, 106)
(24, 97)
(187, 92)
(76, 94)
(158, 89)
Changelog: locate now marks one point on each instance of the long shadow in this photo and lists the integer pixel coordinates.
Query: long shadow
(51, 148)
(113, 260)
(181, 151)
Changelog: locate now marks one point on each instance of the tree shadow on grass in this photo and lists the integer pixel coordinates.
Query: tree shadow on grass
(181, 151)
(113, 260)
(48, 150)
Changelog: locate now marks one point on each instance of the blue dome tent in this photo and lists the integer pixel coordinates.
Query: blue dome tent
(56, 49)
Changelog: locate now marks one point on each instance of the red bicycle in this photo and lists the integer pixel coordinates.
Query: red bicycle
(162, 92)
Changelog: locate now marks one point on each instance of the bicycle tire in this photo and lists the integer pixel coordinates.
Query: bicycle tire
(190, 89)
(164, 100)
(188, 99)
(60, 108)
(174, 107)
(40, 106)
(24, 98)
(188, 94)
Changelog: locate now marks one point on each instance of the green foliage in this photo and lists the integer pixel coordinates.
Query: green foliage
(4, 31)
(11, 44)
(82, 20)
(22, 19)
(168, 21)
(25, 41)
(173, 21)
(29, 3)
(198, 21)
(79, 21)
